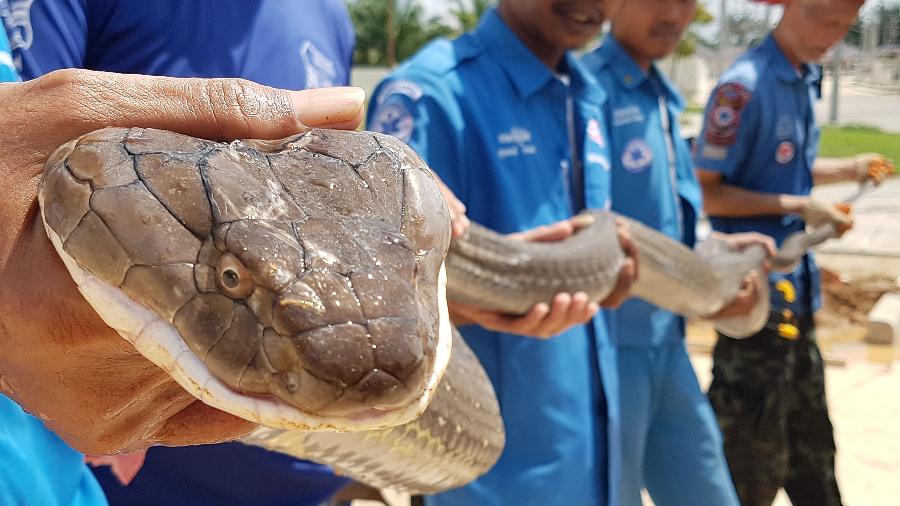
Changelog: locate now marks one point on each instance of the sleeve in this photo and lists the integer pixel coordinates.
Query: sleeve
(426, 119)
(46, 35)
(730, 123)
(7, 69)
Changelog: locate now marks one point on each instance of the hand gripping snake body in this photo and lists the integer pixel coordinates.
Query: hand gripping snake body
(301, 284)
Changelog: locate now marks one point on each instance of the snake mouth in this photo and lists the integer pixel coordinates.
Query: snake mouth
(157, 339)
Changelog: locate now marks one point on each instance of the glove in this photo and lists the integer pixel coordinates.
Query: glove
(872, 166)
(817, 213)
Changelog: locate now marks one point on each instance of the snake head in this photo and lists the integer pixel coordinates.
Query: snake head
(297, 280)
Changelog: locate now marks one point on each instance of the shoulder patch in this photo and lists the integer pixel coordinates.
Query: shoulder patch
(724, 115)
(400, 87)
(393, 119)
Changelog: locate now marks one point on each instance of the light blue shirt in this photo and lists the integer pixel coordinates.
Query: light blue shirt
(759, 132)
(493, 121)
(37, 467)
(653, 178)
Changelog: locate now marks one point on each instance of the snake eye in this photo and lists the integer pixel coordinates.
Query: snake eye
(234, 279)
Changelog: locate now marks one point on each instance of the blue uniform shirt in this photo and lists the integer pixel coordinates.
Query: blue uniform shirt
(491, 119)
(280, 44)
(653, 178)
(760, 134)
(36, 467)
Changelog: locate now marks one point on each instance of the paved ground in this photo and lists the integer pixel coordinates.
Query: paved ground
(865, 410)
(859, 105)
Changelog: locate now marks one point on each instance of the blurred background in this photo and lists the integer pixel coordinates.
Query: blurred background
(859, 112)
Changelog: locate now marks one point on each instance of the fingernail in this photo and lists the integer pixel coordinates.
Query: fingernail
(328, 106)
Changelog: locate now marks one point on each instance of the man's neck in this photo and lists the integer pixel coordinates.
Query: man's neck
(642, 61)
(783, 39)
(551, 56)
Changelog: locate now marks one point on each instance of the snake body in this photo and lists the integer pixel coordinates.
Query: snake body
(299, 283)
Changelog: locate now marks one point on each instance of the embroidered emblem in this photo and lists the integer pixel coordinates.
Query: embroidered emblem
(321, 72)
(598, 159)
(594, 133)
(724, 116)
(626, 115)
(785, 152)
(400, 87)
(394, 119)
(637, 156)
(514, 142)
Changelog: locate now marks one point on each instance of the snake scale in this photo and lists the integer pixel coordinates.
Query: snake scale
(301, 283)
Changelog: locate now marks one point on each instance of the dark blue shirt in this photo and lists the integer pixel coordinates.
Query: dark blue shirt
(286, 44)
(653, 178)
(281, 43)
(521, 147)
(760, 133)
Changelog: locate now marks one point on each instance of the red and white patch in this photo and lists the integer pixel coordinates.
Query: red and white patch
(785, 152)
(724, 116)
(594, 133)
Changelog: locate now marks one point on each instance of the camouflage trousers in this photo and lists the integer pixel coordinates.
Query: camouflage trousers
(768, 393)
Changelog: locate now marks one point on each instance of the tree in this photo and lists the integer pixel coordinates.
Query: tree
(468, 18)
(688, 43)
(411, 31)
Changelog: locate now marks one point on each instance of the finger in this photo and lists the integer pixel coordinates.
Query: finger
(209, 108)
(623, 285)
(553, 232)
(556, 318)
(582, 309)
(527, 324)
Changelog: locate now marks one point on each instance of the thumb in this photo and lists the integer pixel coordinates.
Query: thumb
(69, 103)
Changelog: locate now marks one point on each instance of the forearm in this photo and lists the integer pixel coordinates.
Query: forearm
(832, 170)
(732, 201)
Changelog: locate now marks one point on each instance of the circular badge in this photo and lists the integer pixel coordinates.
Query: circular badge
(637, 156)
(393, 119)
(724, 116)
(785, 152)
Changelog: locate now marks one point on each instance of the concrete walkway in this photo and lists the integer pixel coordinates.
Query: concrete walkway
(872, 246)
(859, 105)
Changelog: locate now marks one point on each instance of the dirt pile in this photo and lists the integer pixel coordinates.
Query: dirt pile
(847, 302)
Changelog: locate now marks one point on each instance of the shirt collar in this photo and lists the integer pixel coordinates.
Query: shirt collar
(526, 71)
(631, 75)
(783, 67)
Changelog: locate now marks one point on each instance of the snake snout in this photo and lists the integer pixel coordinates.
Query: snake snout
(360, 342)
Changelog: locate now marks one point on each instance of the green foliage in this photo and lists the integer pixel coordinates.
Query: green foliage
(688, 44)
(468, 18)
(851, 140)
(411, 30)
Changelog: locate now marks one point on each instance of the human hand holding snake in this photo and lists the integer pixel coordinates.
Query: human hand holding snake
(58, 359)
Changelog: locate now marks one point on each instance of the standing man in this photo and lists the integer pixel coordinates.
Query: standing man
(280, 44)
(511, 121)
(757, 163)
(671, 442)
